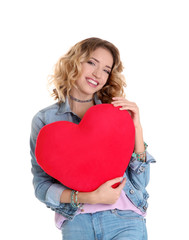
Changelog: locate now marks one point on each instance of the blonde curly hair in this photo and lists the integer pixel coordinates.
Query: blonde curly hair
(68, 69)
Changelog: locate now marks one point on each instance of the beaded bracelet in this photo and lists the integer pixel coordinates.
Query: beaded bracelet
(141, 156)
(72, 199)
(76, 204)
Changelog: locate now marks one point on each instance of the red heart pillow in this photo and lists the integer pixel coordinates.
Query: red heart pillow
(83, 156)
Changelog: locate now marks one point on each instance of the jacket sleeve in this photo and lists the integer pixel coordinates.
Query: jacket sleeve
(139, 172)
(47, 189)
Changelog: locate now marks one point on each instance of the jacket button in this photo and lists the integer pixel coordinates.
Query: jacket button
(142, 169)
(145, 208)
(131, 191)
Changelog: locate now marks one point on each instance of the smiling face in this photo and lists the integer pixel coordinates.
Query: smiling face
(94, 74)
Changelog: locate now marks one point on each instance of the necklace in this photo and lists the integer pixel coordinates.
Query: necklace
(81, 101)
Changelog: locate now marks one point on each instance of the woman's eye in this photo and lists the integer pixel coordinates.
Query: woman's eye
(108, 72)
(90, 62)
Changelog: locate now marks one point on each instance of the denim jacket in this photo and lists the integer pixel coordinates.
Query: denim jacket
(48, 190)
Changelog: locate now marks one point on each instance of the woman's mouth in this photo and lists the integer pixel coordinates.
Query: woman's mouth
(92, 82)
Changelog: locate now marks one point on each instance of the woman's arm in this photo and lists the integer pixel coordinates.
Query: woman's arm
(133, 110)
(47, 189)
(139, 142)
(139, 172)
(105, 194)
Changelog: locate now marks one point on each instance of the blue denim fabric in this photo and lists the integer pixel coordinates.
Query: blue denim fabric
(113, 224)
(48, 190)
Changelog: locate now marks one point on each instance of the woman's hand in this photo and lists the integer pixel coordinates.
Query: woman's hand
(133, 110)
(131, 107)
(105, 194)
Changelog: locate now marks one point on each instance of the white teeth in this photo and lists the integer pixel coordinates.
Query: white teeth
(93, 82)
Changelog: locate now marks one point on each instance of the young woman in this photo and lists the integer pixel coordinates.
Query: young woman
(89, 74)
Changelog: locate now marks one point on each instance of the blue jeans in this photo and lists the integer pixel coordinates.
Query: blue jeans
(106, 225)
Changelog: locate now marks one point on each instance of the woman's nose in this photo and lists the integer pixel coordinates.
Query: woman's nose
(97, 73)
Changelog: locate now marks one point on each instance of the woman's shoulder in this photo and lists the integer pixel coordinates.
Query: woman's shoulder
(43, 114)
(54, 106)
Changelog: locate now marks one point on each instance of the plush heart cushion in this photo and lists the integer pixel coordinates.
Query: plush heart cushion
(83, 156)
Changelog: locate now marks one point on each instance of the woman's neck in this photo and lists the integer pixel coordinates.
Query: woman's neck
(80, 108)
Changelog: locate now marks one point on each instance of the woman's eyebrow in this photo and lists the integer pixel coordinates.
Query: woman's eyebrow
(98, 62)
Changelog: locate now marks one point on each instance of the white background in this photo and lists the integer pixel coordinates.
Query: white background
(153, 38)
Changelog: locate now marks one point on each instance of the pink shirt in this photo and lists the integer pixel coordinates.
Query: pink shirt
(123, 203)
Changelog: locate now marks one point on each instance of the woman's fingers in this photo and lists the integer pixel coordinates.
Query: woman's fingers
(107, 194)
(123, 103)
(131, 107)
(121, 186)
(118, 98)
(115, 180)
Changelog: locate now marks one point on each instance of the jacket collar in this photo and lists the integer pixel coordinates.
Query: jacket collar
(65, 107)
